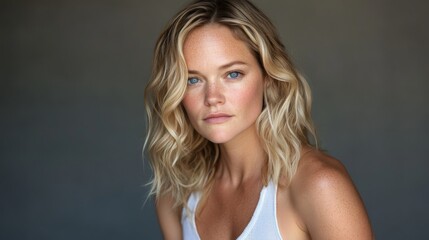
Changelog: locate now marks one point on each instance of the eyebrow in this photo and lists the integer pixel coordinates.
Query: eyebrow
(221, 67)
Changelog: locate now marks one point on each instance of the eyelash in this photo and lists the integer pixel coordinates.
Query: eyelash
(191, 78)
(239, 74)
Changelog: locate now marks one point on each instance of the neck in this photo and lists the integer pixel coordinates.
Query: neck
(242, 160)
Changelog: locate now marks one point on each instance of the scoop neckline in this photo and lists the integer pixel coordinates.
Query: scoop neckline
(249, 225)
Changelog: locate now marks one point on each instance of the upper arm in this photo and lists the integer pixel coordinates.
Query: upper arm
(168, 218)
(330, 205)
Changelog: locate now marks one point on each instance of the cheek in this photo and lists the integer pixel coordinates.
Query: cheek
(252, 98)
(189, 104)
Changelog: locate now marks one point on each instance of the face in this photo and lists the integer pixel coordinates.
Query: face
(224, 94)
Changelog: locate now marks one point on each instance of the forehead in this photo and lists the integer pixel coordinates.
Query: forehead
(214, 44)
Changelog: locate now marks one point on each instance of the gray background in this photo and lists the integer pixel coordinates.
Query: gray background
(72, 119)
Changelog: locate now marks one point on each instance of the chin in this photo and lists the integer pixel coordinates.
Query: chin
(217, 141)
(218, 138)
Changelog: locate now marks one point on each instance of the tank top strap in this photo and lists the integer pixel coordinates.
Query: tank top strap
(189, 228)
(264, 225)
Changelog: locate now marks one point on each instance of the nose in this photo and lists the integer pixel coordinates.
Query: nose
(214, 94)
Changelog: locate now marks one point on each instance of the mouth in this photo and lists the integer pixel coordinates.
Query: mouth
(217, 118)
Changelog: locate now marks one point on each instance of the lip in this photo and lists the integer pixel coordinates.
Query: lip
(217, 118)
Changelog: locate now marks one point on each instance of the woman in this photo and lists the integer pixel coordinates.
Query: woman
(230, 135)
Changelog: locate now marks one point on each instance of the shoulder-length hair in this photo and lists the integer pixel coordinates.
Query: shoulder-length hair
(183, 161)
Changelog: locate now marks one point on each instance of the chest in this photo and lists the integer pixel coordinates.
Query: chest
(225, 216)
(268, 214)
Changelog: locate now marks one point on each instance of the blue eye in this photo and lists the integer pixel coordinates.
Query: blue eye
(193, 80)
(234, 75)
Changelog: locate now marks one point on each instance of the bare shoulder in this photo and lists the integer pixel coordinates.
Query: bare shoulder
(319, 171)
(326, 199)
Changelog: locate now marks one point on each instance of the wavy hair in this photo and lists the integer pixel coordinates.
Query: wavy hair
(182, 160)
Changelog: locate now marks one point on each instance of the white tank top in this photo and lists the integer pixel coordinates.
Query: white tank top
(262, 225)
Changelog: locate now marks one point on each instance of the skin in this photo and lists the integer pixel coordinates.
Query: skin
(320, 202)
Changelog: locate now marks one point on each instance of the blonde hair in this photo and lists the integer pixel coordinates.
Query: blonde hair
(183, 161)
